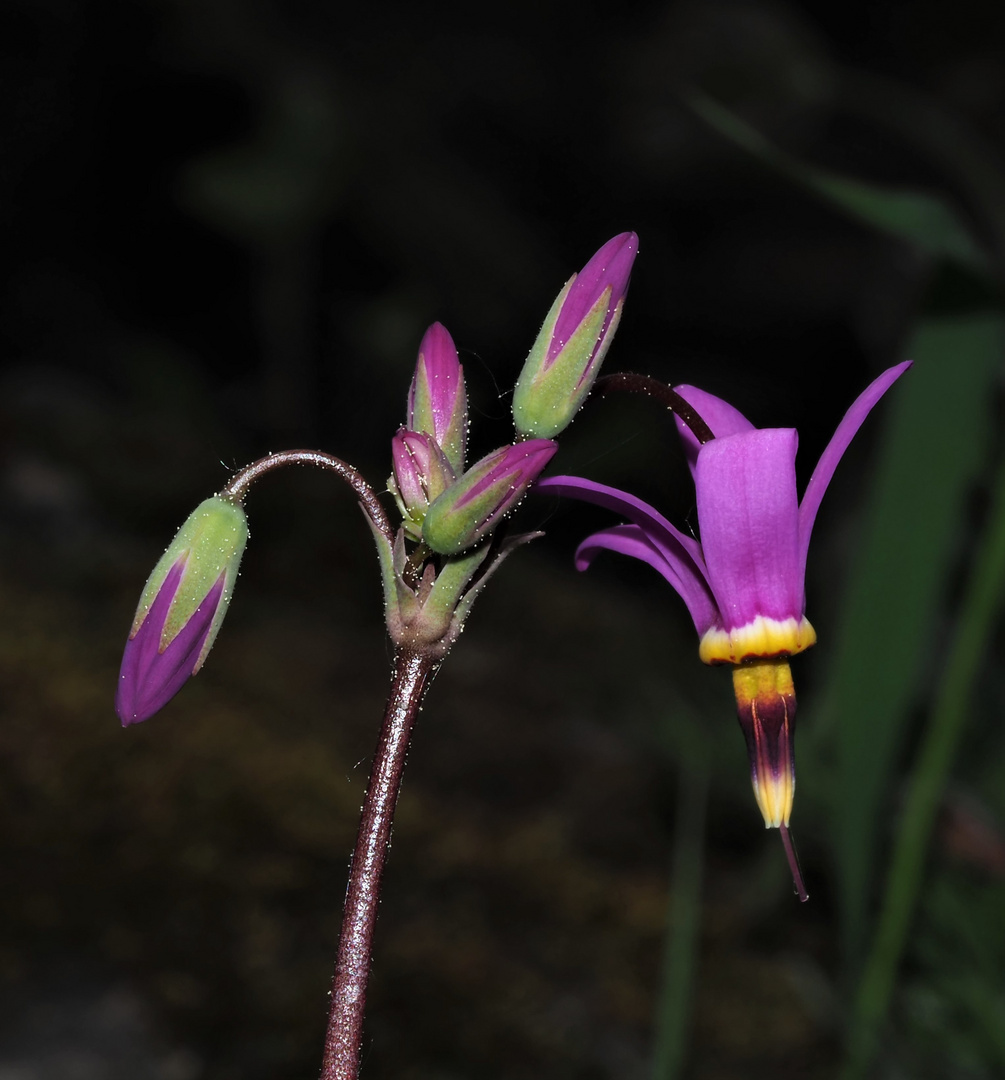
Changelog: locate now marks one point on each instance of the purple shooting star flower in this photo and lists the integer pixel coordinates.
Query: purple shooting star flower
(743, 584)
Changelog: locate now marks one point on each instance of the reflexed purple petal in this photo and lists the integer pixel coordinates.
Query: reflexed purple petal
(611, 266)
(748, 516)
(640, 513)
(846, 431)
(625, 540)
(150, 677)
(721, 417)
(633, 541)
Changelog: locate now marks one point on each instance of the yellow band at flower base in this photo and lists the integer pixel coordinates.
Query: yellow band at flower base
(761, 638)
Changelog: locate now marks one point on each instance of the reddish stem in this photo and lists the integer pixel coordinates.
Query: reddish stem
(646, 384)
(237, 486)
(412, 675)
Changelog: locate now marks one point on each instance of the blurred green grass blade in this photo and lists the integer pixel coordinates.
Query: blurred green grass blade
(923, 220)
(934, 760)
(673, 1020)
(937, 438)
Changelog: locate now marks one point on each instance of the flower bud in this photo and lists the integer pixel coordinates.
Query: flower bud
(472, 506)
(181, 609)
(421, 473)
(437, 402)
(570, 348)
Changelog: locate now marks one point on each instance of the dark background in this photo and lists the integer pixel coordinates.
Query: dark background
(226, 226)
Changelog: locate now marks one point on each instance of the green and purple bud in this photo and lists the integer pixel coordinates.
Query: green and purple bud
(181, 609)
(473, 506)
(570, 348)
(421, 474)
(437, 401)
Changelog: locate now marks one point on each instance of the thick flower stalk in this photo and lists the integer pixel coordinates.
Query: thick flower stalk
(743, 583)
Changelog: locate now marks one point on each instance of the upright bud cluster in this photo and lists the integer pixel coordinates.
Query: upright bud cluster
(449, 510)
(554, 383)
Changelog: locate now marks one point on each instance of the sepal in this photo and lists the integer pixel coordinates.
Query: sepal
(423, 617)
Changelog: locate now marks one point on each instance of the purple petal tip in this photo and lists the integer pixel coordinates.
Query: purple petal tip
(151, 676)
(610, 267)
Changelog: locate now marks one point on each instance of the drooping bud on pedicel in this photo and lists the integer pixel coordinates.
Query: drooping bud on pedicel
(181, 609)
(472, 506)
(437, 401)
(570, 348)
(421, 474)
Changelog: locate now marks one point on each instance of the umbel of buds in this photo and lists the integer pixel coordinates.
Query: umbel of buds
(570, 348)
(446, 510)
(181, 609)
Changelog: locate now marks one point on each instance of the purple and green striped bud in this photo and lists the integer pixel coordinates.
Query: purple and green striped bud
(437, 401)
(421, 474)
(570, 348)
(181, 609)
(475, 504)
